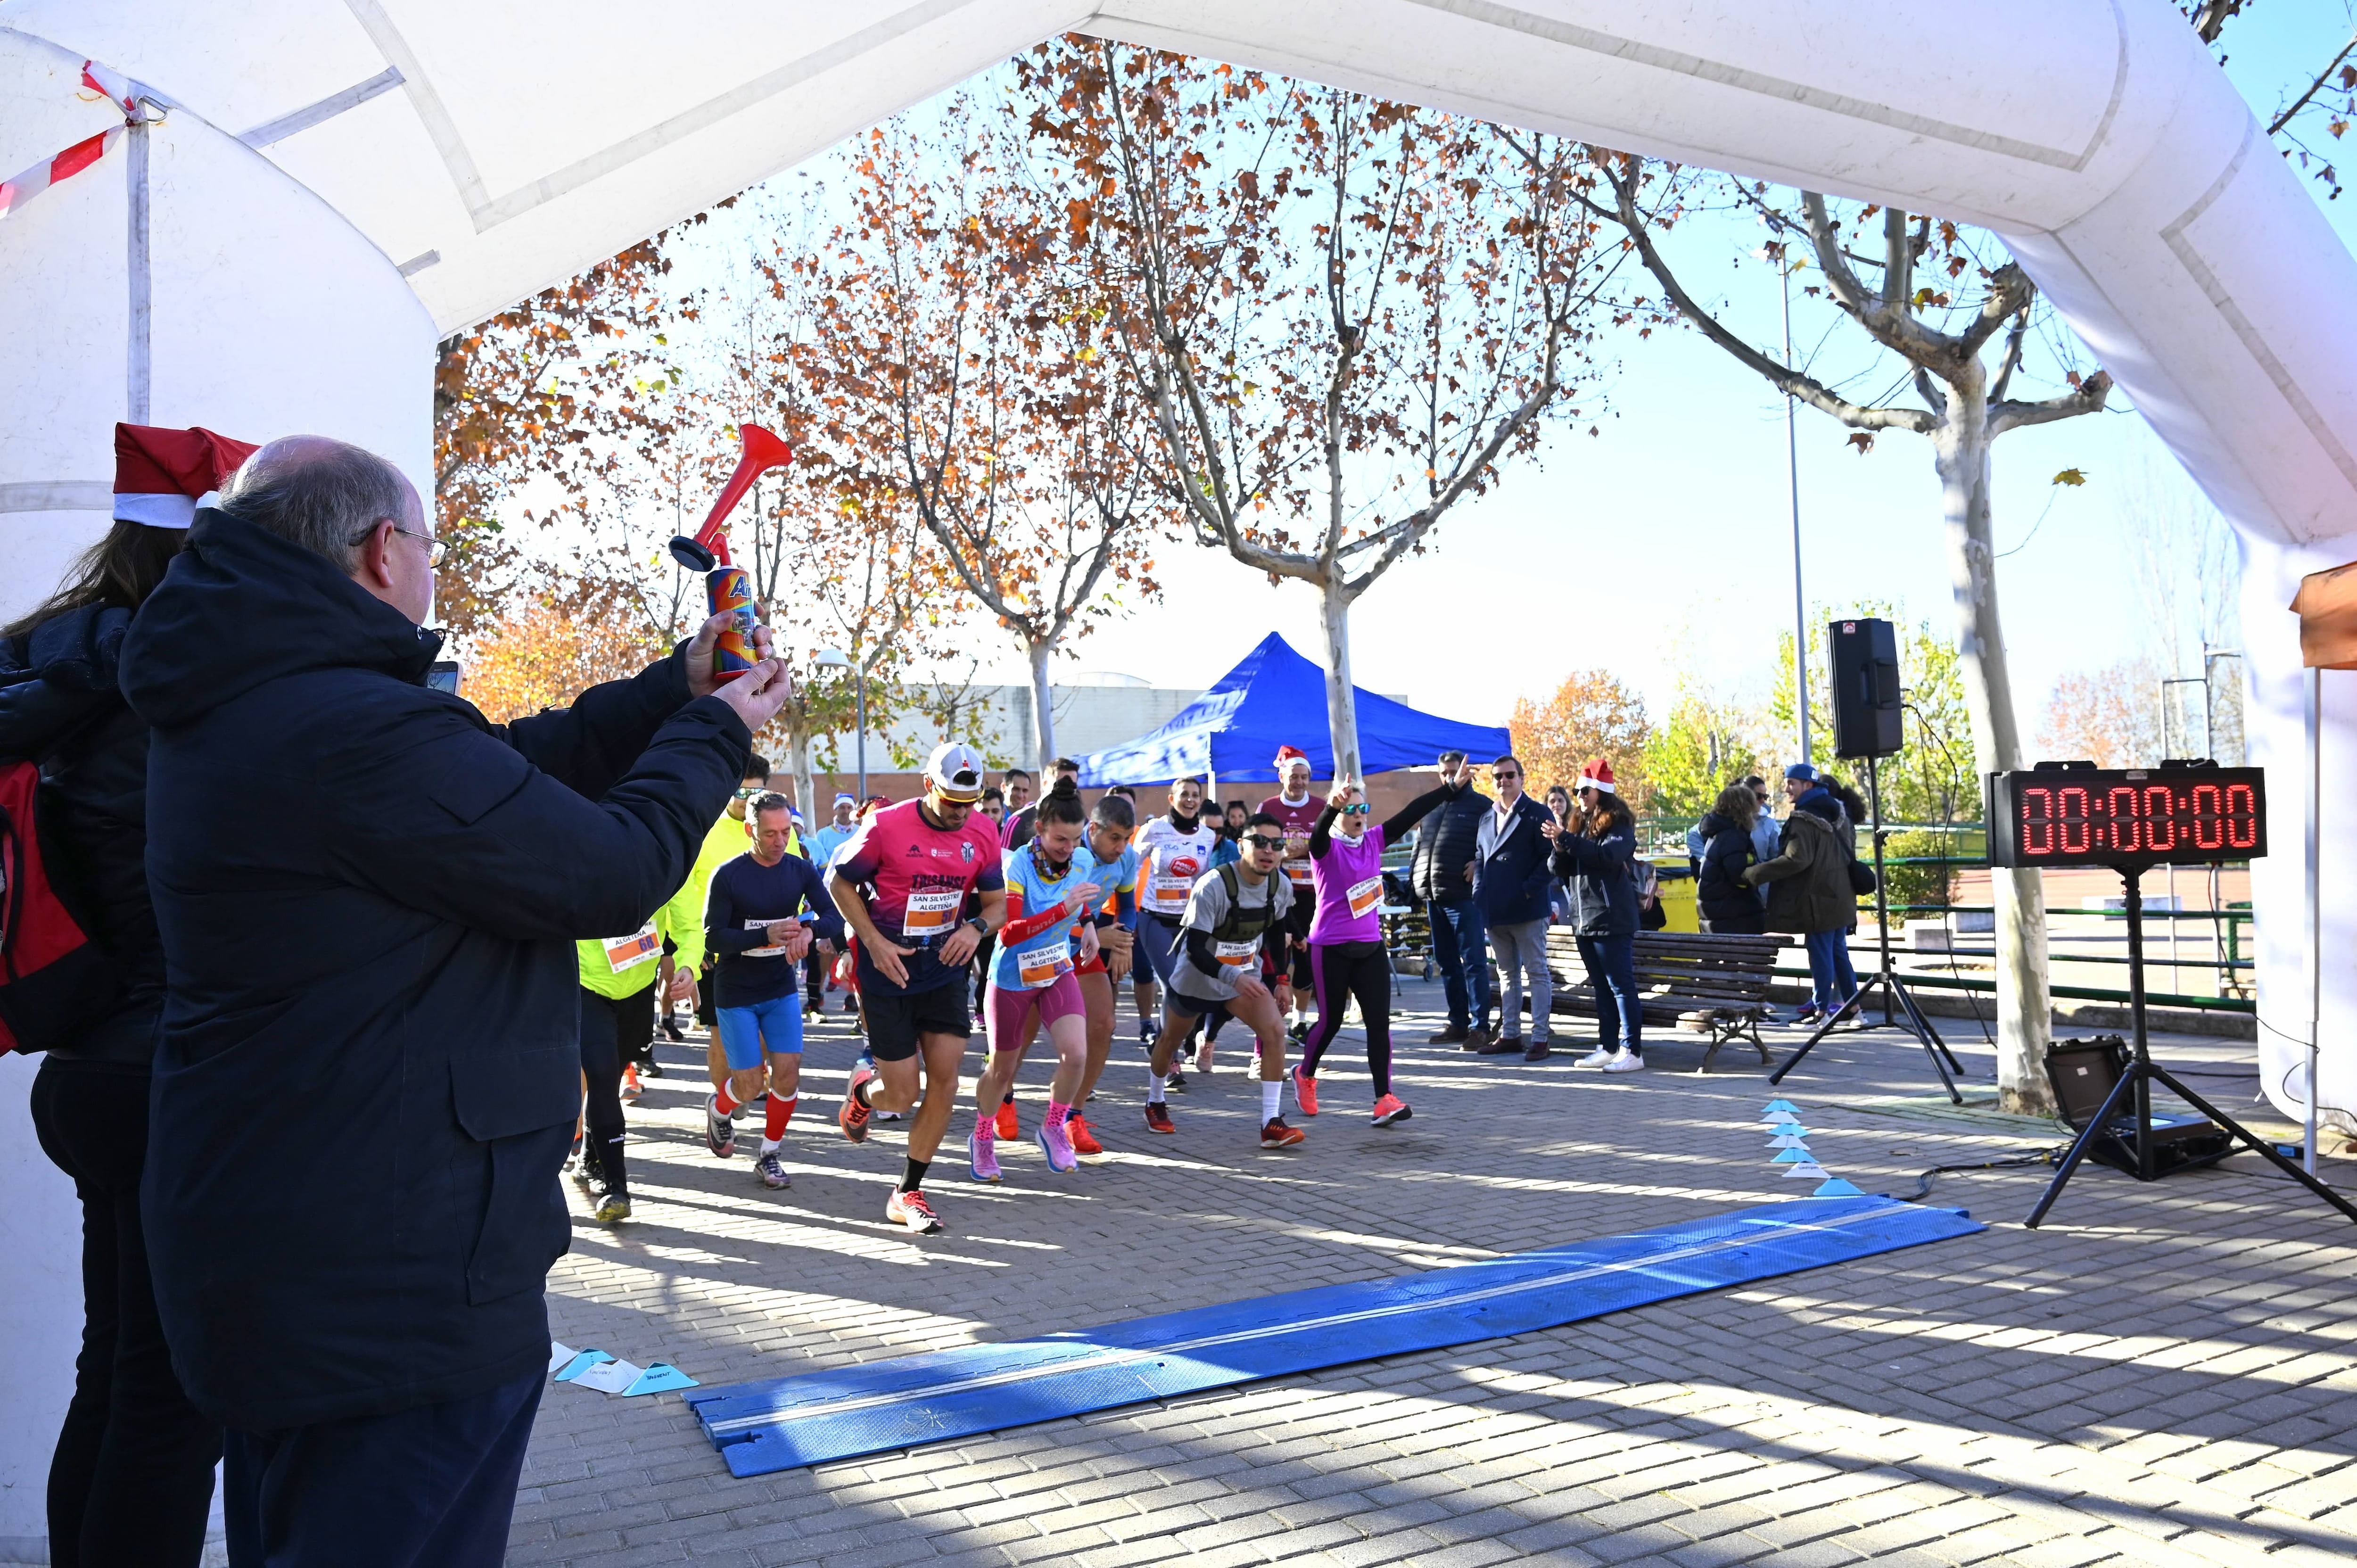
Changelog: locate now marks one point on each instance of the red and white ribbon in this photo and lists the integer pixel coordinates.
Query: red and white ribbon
(117, 88)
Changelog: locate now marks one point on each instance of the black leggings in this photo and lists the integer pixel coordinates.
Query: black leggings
(612, 1032)
(132, 1479)
(1339, 971)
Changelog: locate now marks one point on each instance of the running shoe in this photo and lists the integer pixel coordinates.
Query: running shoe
(671, 1031)
(1298, 1030)
(1145, 1033)
(1010, 1128)
(910, 1209)
(1596, 1058)
(1057, 1144)
(616, 1207)
(1305, 1092)
(1083, 1141)
(630, 1090)
(1158, 1117)
(772, 1171)
(1626, 1061)
(719, 1132)
(589, 1178)
(1390, 1108)
(1176, 1082)
(1276, 1135)
(1809, 1015)
(651, 1068)
(1204, 1057)
(853, 1116)
(982, 1153)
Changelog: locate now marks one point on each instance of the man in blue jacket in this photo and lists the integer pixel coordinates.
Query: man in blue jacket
(1510, 885)
(367, 897)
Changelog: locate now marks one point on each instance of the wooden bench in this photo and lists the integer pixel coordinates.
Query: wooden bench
(1712, 985)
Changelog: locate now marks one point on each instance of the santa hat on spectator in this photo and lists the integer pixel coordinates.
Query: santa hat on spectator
(1286, 755)
(1598, 774)
(162, 477)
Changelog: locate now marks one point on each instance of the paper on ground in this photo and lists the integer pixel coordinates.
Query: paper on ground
(610, 1377)
(1809, 1170)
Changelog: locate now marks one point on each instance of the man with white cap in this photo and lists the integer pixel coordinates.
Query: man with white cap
(903, 884)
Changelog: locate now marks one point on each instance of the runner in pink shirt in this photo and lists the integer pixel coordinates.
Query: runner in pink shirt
(1346, 956)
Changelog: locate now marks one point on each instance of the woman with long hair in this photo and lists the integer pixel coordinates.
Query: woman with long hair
(1348, 960)
(131, 1477)
(1596, 854)
(1728, 905)
(1559, 805)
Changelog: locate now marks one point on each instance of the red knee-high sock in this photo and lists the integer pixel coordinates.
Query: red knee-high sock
(782, 1111)
(720, 1097)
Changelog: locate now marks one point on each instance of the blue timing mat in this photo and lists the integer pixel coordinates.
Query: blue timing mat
(785, 1422)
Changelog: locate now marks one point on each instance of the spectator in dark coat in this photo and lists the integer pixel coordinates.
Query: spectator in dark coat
(1596, 854)
(369, 1069)
(1809, 894)
(1438, 874)
(1729, 904)
(131, 1477)
(1511, 886)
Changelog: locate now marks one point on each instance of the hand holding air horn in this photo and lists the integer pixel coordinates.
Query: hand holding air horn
(726, 586)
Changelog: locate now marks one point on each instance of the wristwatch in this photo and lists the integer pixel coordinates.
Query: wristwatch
(981, 927)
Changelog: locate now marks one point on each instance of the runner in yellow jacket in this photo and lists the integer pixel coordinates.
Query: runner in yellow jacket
(617, 1021)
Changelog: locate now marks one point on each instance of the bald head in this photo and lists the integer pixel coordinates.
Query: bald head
(345, 504)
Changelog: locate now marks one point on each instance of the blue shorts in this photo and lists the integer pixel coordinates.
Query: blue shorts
(1157, 947)
(775, 1026)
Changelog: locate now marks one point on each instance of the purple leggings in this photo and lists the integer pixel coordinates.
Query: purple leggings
(1338, 972)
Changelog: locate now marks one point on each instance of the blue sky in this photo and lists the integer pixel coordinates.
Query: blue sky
(1664, 542)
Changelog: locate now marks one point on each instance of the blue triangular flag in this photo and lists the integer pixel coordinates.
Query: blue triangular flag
(1810, 1169)
(1837, 1187)
(1798, 1141)
(580, 1364)
(1780, 1105)
(661, 1377)
(1799, 1156)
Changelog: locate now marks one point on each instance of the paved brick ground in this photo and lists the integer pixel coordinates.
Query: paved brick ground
(2160, 1375)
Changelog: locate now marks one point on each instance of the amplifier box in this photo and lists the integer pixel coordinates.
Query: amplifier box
(2084, 1072)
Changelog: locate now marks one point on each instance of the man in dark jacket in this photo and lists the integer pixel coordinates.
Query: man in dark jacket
(1440, 873)
(1510, 887)
(367, 897)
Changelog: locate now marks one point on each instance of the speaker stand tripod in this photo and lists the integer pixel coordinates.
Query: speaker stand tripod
(2142, 1074)
(1898, 1009)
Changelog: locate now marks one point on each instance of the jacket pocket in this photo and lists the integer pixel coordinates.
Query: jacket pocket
(517, 1109)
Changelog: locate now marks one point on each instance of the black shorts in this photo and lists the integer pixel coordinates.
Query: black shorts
(1298, 917)
(895, 1018)
(1194, 1006)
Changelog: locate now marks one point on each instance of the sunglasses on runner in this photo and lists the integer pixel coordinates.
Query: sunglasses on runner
(748, 794)
(1270, 844)
(1360, 810)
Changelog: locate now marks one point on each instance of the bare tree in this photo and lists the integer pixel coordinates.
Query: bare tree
(1964, 404)
(1343, 313)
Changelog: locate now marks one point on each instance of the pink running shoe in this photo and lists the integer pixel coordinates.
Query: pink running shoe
(1390, 1108)
(1057, 1144)
(982, 1153)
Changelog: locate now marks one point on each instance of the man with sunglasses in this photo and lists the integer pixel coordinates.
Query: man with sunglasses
(1232, 950)
(1509, 886)
(903, 884)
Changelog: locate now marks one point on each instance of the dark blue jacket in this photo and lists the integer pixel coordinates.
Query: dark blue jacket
(1600, 875)
(1510, 885)
(369, 896)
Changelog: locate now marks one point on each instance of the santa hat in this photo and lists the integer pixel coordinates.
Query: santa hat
(1286, 755)
(1598, 774)
(162, 477)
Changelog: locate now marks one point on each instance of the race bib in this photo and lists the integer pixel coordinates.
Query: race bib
(1235, 955)
(930, 914)
(642, 945)
(1365, 896)
(775, 949)
(1298, 873)
(1043, 966)
(1168, 894)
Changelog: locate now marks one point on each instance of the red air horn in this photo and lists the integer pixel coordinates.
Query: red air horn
(726, 586)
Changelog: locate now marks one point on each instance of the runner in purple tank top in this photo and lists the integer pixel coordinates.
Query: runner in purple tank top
(1347, 957)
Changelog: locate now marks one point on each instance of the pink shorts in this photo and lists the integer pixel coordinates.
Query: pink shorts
(1004, 1011)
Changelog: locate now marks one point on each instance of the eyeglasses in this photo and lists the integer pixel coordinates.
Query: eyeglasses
(1360, 810)
(748, 794)
(1504, 773)
(436, 551)
(1259, 842)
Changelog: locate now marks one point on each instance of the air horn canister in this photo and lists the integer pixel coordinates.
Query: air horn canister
(726, 585)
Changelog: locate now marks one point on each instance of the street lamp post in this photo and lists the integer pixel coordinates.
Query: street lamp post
(837, 658)
(1784, 267)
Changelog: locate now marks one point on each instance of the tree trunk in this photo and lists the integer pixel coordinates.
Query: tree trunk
(2024, 1008)
(1043, 708)
(797, 748)
(1342, 711)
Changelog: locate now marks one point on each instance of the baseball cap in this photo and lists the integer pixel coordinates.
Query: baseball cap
(955, 770)
(1802, 770)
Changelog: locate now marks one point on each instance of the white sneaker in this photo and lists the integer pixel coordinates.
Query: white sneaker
(1596, 1058)
(1625, 1061)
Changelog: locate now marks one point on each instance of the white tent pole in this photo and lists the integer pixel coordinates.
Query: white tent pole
(138, 370)
(2311, 860)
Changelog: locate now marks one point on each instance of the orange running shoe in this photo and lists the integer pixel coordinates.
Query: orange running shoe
(1390, 1108)
(1083, 1141)
(1305, 1092)
(1009, 1130)
(1158, 1117)
(1276, 1135)
(630, 1090)
(852, 1117)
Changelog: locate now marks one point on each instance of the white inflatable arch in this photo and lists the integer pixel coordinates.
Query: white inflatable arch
(335, 183)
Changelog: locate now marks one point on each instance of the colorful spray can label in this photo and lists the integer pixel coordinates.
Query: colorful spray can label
(729, 589)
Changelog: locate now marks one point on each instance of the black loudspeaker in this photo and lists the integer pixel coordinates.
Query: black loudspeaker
(1864, 656)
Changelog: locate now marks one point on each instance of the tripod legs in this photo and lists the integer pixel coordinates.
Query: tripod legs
(2082, 1143)
(1914, 1023)
(2257, 1145)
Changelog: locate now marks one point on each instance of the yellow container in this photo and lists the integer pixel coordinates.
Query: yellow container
(1678, 891)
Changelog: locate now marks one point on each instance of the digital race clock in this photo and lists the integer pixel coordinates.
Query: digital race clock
(2181, 815)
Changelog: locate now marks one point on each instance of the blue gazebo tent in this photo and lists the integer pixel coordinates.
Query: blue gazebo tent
(1276, 697)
